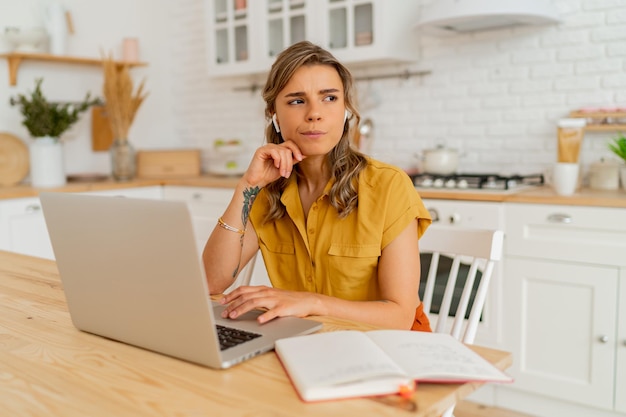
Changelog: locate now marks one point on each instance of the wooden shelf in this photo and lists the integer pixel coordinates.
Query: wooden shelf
(601, 127)
(15, 59)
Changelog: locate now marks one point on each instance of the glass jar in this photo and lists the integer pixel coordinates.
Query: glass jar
(123, 163)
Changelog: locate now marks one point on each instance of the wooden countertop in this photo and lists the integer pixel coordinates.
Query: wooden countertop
(49, 368)
(534, 195)
(25, 190)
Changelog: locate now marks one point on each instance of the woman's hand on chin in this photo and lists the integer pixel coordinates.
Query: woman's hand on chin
(271, 162)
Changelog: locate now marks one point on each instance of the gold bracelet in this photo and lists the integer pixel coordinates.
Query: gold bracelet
(222, 224)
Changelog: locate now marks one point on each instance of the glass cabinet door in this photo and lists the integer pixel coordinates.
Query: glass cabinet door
(350, 23)
(231, 31)
(286, 24)
(363, 25)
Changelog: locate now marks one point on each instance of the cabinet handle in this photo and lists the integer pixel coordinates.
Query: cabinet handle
(560, 218)
(32, 208)
(603, 339)
(196, 196)
(454, 218)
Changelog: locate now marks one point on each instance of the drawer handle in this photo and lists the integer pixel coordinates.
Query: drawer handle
(32, 208)
(196, 196)
(560, 218)
(603, 339)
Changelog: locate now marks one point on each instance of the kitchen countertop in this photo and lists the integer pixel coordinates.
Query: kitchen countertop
(533, 195)
(25, 190)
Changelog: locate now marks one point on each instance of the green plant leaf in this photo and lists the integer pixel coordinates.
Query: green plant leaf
(618, 146)
(44, 118)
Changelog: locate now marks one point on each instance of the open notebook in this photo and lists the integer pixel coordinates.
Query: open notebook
(350, 363)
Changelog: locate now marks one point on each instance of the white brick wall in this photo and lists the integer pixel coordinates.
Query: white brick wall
(495, 95)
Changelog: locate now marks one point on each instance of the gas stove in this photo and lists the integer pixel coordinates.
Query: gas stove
(485, 182)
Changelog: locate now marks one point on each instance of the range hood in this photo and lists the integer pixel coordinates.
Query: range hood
(460, 16)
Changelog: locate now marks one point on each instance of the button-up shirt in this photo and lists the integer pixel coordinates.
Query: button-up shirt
(325, 254)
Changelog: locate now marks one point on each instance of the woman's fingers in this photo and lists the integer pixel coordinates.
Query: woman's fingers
(278, 303)
(295, 151)
(273, 161)
(242, 300)
(287, 154)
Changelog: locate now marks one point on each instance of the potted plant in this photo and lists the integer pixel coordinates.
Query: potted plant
(46, 121)
(618, 147)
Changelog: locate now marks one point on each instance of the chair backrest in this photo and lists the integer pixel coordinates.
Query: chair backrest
(480, 249)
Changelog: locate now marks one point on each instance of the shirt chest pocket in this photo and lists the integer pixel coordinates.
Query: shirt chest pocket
(280, 260)
(353, 268)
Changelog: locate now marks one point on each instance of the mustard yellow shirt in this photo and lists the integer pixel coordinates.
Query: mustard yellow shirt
(332, 256)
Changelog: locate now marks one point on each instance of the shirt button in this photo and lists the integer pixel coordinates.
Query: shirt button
(315, 208)
(311, 231)
(309, 278)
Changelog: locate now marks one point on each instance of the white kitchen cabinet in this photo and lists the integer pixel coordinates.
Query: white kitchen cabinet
(244, 37)
(23, 228)
(565, 302)
(560, 328)
(151, 192)
(206, 205)
(230, 28)
(371, 31)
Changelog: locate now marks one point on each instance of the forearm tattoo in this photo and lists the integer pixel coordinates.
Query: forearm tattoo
(249, 194)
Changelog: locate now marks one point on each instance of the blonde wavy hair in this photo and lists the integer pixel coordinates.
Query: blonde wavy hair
(344, 162)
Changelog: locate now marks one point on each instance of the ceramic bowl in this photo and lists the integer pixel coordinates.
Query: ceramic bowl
(27, 39)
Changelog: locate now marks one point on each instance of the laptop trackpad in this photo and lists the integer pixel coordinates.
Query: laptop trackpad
(247, 321)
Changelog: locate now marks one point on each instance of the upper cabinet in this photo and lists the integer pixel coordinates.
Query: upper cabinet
(368, 31)
(244, 37)
(230, 27)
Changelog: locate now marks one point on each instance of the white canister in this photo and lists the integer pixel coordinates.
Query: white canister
(56, 23)
(604, 175)
(565, 178)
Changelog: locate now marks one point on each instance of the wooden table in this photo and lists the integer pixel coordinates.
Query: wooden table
(49, 368)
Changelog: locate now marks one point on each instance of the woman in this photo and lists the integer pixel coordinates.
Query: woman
(338, 231)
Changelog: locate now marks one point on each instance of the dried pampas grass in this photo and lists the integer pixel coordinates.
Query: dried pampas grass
(121, 103)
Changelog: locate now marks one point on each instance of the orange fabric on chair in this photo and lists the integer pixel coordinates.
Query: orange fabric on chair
(421, 322)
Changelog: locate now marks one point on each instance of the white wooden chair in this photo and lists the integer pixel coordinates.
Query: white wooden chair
(480, 249)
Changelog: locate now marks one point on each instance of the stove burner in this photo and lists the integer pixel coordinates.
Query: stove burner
(476, 181)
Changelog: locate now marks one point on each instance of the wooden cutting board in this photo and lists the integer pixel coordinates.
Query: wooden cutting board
(101, 134)
(14, 164)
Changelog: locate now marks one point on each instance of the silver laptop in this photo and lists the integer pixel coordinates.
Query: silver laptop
(131, 272)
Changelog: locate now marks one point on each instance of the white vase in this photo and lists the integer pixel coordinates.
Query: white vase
(46, 163)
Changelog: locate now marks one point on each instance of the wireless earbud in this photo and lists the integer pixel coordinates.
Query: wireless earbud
(346, 115)
(275, 123)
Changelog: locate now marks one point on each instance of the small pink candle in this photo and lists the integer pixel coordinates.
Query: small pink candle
(130, 49)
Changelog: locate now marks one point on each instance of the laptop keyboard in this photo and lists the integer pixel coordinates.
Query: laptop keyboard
(230, 337)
